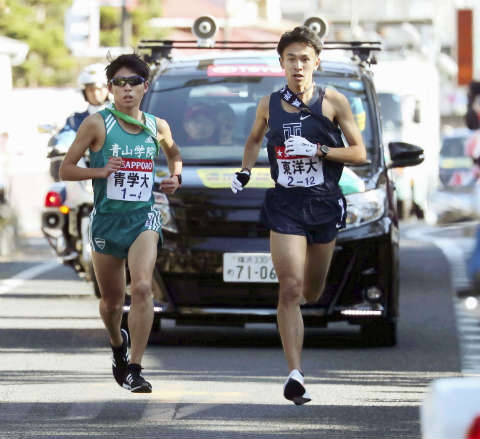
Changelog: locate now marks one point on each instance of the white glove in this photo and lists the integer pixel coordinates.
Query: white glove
(297, 145)
(239, 180)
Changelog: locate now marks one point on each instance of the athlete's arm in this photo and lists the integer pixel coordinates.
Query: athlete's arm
(356, 152)
(91, 133)
(252, 146)
(172, 153)
(257, 133)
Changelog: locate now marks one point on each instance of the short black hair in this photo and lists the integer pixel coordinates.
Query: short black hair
(301, 34)
(131, 61)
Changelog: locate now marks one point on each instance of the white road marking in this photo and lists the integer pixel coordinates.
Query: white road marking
(8, 285)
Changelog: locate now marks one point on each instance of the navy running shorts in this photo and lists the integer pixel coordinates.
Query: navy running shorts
(307, 213)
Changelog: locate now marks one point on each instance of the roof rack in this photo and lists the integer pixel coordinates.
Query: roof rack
(362, 50)
(162, 48)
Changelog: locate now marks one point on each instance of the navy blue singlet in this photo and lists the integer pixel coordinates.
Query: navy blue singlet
(307, 199)
(298, 171)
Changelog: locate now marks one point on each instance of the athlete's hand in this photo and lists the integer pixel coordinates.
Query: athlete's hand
(169, 185)
(297, 145)
(240, 180)
(113, 165)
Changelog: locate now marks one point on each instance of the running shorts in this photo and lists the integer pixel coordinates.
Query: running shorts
(114, 233)
(307, 213)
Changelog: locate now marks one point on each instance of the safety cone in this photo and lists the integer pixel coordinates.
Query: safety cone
(474, 430)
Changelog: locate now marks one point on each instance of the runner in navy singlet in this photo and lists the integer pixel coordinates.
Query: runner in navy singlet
(306, 207)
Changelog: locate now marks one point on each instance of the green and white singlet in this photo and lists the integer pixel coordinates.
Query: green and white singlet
(123, 202)
(129, 188)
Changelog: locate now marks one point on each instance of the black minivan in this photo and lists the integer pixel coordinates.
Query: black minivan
(215, 267)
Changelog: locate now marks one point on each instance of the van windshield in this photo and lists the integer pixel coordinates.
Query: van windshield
(211, 117)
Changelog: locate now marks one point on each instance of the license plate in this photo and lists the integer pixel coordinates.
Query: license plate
(248, 267)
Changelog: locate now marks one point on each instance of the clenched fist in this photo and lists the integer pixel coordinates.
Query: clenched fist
(113, 165)
(240, 180)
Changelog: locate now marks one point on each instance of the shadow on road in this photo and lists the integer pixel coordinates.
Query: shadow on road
(152, 419)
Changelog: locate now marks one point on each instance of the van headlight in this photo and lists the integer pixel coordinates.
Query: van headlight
(163, 206)
(365, 207)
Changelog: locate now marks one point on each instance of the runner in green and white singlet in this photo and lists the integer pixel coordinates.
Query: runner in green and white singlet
(127, 190)
(123, 142)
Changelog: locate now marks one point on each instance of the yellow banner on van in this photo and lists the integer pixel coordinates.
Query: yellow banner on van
(219, 178)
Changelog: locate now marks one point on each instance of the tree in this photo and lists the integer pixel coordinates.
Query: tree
(39, 23)
(110, 19)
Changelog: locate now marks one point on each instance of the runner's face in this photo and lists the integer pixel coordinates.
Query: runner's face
(299, 61)
(128, 96)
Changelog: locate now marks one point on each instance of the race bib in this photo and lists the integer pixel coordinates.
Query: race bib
(295, 171)
(132, 182)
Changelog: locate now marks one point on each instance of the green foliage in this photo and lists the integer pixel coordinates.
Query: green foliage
(141, 15)
(110, 26)
(39, 23)
(110, 19)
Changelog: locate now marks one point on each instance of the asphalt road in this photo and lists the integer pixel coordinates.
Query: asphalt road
(56, 382)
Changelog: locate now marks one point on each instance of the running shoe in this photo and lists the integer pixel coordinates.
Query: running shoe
(134, 380)
(120, 359)
(294, 389)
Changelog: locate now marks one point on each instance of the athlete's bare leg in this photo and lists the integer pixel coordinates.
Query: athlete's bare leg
(110, 274)
(288, 255)
(317, 264)
(141, 261)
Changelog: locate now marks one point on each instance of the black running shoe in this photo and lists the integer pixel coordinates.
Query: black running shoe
(294, 389)
(134, 380)
(120, 359)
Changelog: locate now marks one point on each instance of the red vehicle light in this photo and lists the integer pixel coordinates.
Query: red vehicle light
(53, 199)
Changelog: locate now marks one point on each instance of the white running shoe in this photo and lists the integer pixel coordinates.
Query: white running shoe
(294, 389)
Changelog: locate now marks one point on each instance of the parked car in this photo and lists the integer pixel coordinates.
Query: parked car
(456, 166)
(456, 198)
(215, 266)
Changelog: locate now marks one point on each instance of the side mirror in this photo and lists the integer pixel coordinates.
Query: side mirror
(404, 154)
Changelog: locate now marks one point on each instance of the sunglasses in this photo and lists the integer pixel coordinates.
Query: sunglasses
(121, 81)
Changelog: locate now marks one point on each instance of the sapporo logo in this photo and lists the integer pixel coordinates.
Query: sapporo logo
(100, 243)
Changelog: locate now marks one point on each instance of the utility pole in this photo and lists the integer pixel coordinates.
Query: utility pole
(126, 26)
